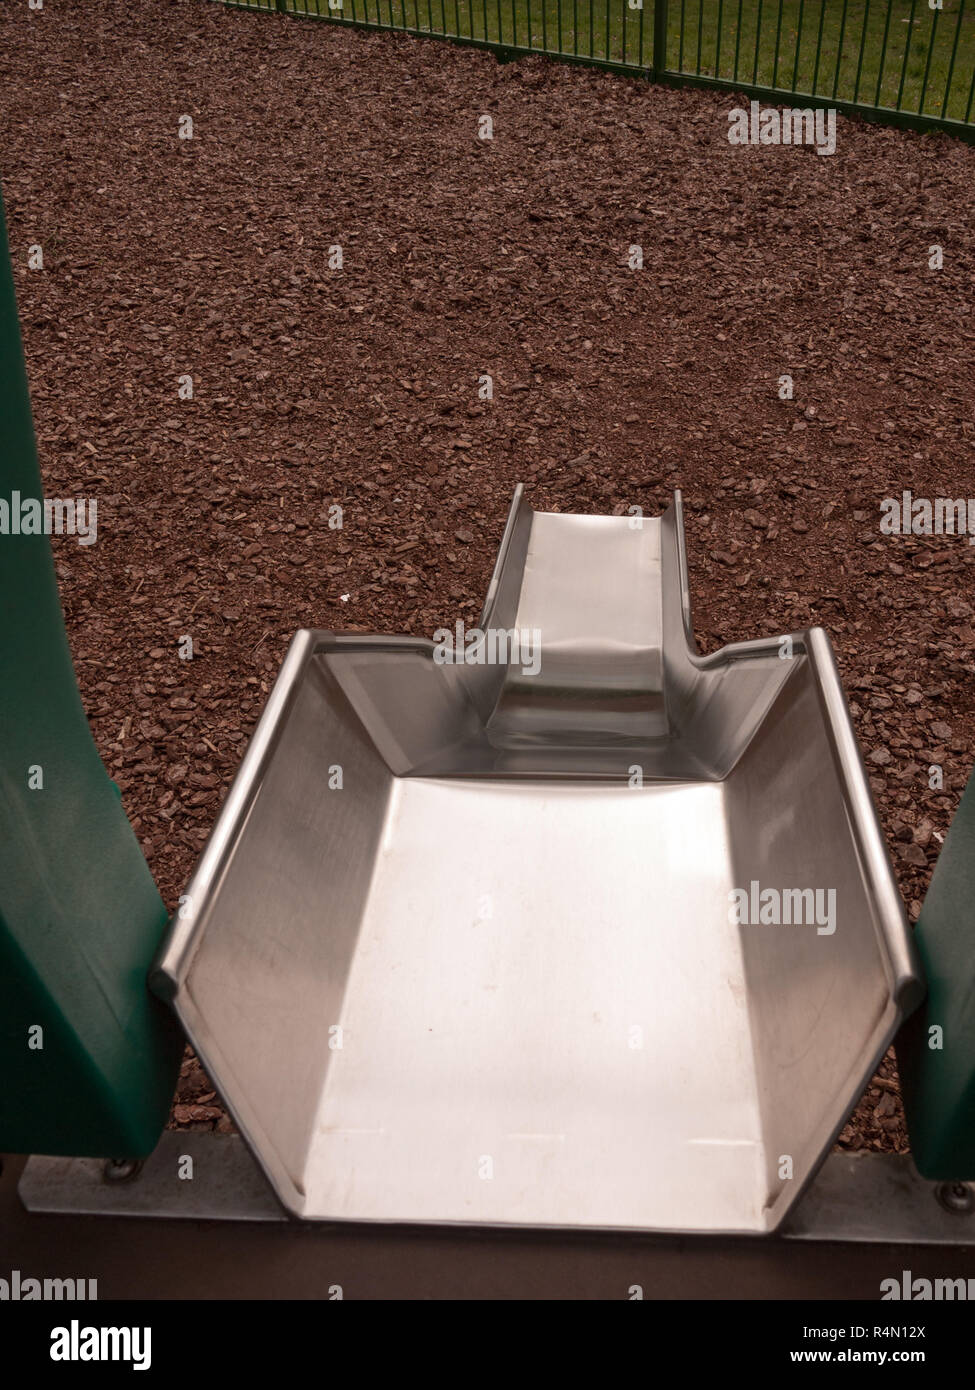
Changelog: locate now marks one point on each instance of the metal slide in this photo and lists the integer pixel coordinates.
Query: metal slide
(556, 923)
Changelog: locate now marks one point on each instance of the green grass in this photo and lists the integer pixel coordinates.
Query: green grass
(898, 54)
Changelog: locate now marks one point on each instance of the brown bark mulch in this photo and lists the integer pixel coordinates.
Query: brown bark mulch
(313, 386)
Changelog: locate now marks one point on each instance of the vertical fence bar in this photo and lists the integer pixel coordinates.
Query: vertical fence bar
(544, 26)
(758, 40)
(954, 55)
(737, 40)
(680, 45)
(927, 66)
(575, 27)
(778, 36)
(795, 66)
(625, 7)
(700, 33)
(819, 42)
(863, 48)
(907, 54)
(607, 29)
(839, 50)
(883, 53)
(592, 37)
(500, 24)
(559, 13)
(640, 58)
(971, 97)
(717, 42)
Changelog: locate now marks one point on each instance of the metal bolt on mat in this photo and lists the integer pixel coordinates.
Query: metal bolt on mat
(122, 1169)
(956, 1197)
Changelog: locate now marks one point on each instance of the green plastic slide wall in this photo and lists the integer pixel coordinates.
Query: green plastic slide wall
(936, 1046)
(88, 1058)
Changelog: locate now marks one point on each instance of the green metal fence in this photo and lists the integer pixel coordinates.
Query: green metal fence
(899, 61)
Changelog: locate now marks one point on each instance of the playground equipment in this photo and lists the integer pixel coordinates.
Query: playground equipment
(475, 941)
(482, 916)
(89, 1058)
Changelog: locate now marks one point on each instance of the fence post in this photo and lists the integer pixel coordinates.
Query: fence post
(282, 6)
(659, 37)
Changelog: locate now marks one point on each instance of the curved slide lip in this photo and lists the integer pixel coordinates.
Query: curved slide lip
(172, 971)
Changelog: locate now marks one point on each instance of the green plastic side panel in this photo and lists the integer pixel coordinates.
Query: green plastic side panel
(80, 916)
(939, 1084)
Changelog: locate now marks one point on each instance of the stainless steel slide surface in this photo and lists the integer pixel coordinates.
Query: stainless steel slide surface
(558, 924)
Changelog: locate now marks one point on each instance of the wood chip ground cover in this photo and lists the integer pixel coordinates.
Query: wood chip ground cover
(209, 258)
